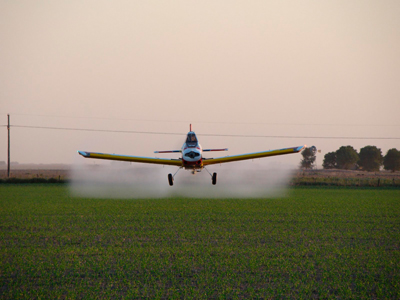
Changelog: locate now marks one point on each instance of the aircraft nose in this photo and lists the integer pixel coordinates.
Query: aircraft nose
(192, 154)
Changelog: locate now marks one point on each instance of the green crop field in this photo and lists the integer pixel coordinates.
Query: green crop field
(315, 243)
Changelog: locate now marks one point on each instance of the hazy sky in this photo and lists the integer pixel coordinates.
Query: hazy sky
(303, 69)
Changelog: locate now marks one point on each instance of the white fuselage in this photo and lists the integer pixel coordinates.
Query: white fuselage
(192, 152)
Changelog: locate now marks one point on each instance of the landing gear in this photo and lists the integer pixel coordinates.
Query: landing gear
(214, 178)
(170, 179)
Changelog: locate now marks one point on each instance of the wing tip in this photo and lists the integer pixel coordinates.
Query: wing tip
(83, 153)
(298, 149)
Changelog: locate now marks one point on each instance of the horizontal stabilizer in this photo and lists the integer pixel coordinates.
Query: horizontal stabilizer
(168, 151)
(208, 150)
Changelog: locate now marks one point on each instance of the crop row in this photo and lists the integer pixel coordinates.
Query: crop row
(297, 181)
(315, 243)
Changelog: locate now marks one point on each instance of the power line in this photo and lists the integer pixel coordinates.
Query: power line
(209, 134)
(307, 137)
(210, 122)
(96, 130)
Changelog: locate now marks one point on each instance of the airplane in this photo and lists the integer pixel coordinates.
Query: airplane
(192, 157)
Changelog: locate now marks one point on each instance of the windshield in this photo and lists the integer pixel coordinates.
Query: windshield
(191, 140)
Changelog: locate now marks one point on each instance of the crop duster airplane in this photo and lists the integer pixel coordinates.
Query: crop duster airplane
(192, 157)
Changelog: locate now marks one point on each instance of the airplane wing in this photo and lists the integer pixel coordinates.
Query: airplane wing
(139, 159)
(220, 160)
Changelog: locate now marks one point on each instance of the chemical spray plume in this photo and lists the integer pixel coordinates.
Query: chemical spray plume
(135, 181)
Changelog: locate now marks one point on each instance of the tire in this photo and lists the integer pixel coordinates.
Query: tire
(214, 179)
(170, 180)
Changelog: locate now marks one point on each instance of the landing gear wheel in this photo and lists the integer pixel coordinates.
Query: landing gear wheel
(214, 179)
(170, 180)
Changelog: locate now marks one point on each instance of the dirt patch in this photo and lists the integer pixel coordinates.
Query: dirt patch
(62, 172)
(347, 174)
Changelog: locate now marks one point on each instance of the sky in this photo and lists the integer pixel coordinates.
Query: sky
(249, 75)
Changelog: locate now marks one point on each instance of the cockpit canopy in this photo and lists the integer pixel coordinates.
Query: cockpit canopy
(191, 139)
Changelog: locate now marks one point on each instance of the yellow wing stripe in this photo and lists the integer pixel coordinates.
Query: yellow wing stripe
(139, 159)
(226, 159)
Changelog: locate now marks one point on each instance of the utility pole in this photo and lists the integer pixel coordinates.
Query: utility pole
(8, 162)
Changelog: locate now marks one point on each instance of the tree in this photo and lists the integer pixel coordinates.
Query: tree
(330, 161)
(391, 161)
(308, 157)
(370, 158)
(346, 158)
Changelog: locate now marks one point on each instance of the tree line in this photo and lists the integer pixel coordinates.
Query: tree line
(369, 158)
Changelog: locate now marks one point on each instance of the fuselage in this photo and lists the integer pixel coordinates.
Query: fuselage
(192, 152)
